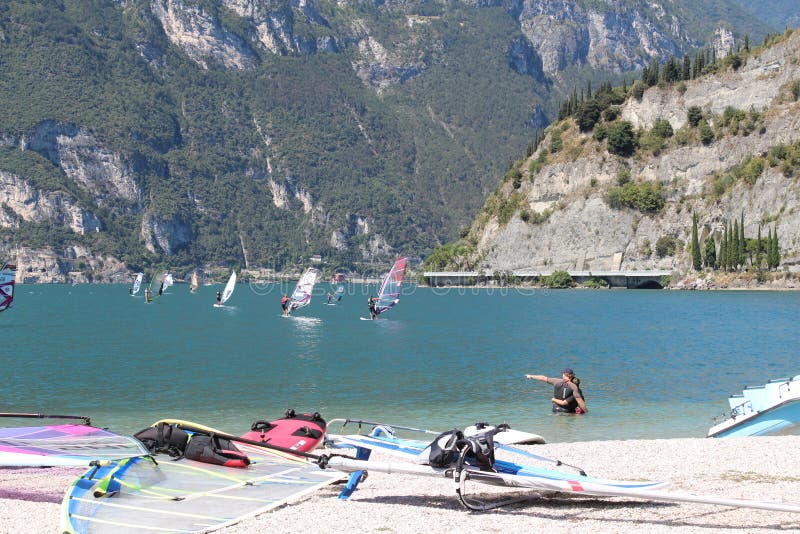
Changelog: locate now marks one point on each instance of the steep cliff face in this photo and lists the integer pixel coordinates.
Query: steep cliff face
(347, 129)
(616, 38)
(583, 232)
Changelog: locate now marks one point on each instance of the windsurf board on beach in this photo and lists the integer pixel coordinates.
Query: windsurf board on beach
(140, 495)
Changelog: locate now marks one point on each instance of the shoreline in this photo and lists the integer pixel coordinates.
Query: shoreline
(755, 468)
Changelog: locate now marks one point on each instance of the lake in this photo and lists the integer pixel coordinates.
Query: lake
(653, 364)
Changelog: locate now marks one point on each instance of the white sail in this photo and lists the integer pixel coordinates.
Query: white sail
(229, 287)
(168, 281)
(137, 283)
(302, 293)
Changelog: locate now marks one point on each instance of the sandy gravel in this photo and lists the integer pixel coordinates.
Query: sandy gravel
(765, 468)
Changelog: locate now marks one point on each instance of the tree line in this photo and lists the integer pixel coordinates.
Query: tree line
(736, 252)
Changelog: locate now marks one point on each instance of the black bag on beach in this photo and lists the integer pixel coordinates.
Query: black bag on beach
(164, 438)
(214, 450)
(443, 450)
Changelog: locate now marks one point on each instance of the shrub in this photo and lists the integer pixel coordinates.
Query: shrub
(646, 197)
(595, 283)
(796, 90)
(558, 280)
(662, 128)
(623, 175)
(612, 113)
(600, 131)
(694, 115)
(666, 246)
(706, 133)
(556, 143)
(621, 140)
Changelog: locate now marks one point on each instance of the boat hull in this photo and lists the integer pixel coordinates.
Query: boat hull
(783, 418)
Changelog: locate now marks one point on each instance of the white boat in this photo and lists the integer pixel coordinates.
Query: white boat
(773, 408)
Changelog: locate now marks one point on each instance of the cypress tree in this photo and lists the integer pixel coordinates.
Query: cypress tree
(742, 243)
(723, 249)
(697, 261)
(686, 74)
(734, 240)
(776, 249)
(710, 253)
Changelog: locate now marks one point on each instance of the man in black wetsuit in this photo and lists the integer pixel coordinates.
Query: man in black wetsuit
(567, 397)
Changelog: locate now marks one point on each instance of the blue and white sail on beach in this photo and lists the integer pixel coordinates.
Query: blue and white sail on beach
(773, 408)
(140, 495)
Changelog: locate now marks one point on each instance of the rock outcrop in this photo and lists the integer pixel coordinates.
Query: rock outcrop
(576, 229)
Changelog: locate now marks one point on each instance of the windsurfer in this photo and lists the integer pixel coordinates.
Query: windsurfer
(285, 305)
(373, 313)
(330, 297)
(147, 294)
(567, 396)
(219, 298)
(161, 289)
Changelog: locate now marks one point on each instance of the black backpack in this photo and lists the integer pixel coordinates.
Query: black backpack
(164, 438)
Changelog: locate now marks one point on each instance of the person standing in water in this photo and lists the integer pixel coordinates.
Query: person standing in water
(567, 396)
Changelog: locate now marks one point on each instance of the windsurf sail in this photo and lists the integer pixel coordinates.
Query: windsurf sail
(389, 295)
(137, 283)
(157, 285)
(305, 286)
(194, 282)
(64, 445)
(8, 276)
(182, 495)
(470, 461)
(168, 280)
(229, 287)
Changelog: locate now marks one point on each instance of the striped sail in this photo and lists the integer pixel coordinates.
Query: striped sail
(389, 294)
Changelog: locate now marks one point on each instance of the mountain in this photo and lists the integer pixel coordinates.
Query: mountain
(257, 133)
(780, 14)
(616, 184)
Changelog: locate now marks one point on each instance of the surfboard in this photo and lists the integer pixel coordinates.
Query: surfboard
(509, 436)
(366, 319)
(140, 495)
(300, 432)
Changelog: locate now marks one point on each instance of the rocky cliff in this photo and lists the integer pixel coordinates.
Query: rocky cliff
(261, 132)
(570, 223)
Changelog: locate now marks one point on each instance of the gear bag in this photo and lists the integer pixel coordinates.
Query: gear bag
(164, 438)
(443, 450)
(214, 450)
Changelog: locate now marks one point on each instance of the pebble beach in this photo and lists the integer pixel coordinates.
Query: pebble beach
(762, 468)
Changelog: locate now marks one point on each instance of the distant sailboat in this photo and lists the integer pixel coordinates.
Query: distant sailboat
(194, 282)
(8, 276)
(228, 291)
(305, 286)
(137, 283)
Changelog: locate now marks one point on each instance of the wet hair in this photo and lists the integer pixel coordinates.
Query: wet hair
(576, 380)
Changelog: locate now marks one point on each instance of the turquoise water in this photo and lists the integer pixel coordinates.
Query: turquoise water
(654, 364)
